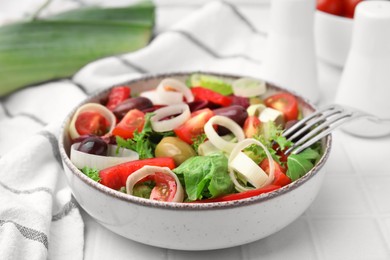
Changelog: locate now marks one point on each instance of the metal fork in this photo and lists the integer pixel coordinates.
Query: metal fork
(312, 128)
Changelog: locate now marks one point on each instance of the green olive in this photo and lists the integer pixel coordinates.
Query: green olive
(176, 148)
(255, 100)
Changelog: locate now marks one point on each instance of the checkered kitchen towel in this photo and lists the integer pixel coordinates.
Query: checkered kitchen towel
(38, 217)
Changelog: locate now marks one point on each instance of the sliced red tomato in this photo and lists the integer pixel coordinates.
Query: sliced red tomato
(165, 188)
(285, 103)
(335, 7)
(117, 95)
(92, 122)
(132, 121)
(115, 177)
(211, 96)
(251, 126)
(280, 177)
(242, 195)
(193, 126)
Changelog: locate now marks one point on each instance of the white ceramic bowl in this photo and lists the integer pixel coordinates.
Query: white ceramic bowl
(333, 35)
(187, 226)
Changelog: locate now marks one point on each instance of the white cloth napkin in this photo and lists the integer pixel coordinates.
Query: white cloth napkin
(38, 217)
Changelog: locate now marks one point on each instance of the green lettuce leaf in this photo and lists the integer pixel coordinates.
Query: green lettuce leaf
(205, 176)
(91, 173)
(299, 164)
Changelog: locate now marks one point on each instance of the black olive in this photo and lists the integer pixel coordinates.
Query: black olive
(140, 103)
(236, 113)
(93, 145)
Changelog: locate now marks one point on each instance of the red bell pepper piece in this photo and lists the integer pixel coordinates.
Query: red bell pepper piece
(115, 177)
(211, 96)
(242, 195)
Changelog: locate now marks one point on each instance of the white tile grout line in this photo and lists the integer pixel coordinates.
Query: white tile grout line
(314, 237)
(244, 252)
(373, 209)
(374, 213)
(168, 254)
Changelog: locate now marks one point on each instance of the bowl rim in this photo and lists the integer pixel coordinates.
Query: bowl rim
(176, 205)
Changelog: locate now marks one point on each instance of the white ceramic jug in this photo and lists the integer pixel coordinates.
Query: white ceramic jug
(365, 82)
(290, 59)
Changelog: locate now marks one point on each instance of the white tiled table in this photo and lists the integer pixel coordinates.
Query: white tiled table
(350, 219)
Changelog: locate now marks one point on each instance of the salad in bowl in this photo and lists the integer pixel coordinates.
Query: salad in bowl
(166, 152)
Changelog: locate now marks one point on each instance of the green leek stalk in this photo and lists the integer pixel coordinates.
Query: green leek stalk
(58, 46)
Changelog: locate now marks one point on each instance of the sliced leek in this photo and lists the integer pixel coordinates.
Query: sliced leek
(217, 140)
(41, 50)
(99, 162)
(140, 13)
(248, 169)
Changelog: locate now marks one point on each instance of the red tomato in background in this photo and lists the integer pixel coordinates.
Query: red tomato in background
(285, 103)
(193, 126)
(91, 122)
(133, 120)
(344, 8)
(349, 7)
(331, 6)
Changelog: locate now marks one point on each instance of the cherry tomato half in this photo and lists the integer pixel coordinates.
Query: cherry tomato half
(251, 126)
(91, 122)
(165, 188)
(193, 126)
(285, 103)
(133, 120)
(117, 95)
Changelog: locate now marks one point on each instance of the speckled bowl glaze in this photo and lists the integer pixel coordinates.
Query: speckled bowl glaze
(188, 226)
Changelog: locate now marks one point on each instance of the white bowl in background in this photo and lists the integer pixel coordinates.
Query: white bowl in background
(333, 35)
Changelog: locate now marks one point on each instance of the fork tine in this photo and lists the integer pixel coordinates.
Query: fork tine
(303, 121)
(319, 132)
(323, 134)
(315, 120)
(317, 126)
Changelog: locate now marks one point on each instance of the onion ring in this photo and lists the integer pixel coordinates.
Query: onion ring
(147, 170)
(93, 107)
(81, 159)
(174, 97)
(169, 124)
(217, 140)
(236, 151)
(255, 110)
(249, 87)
